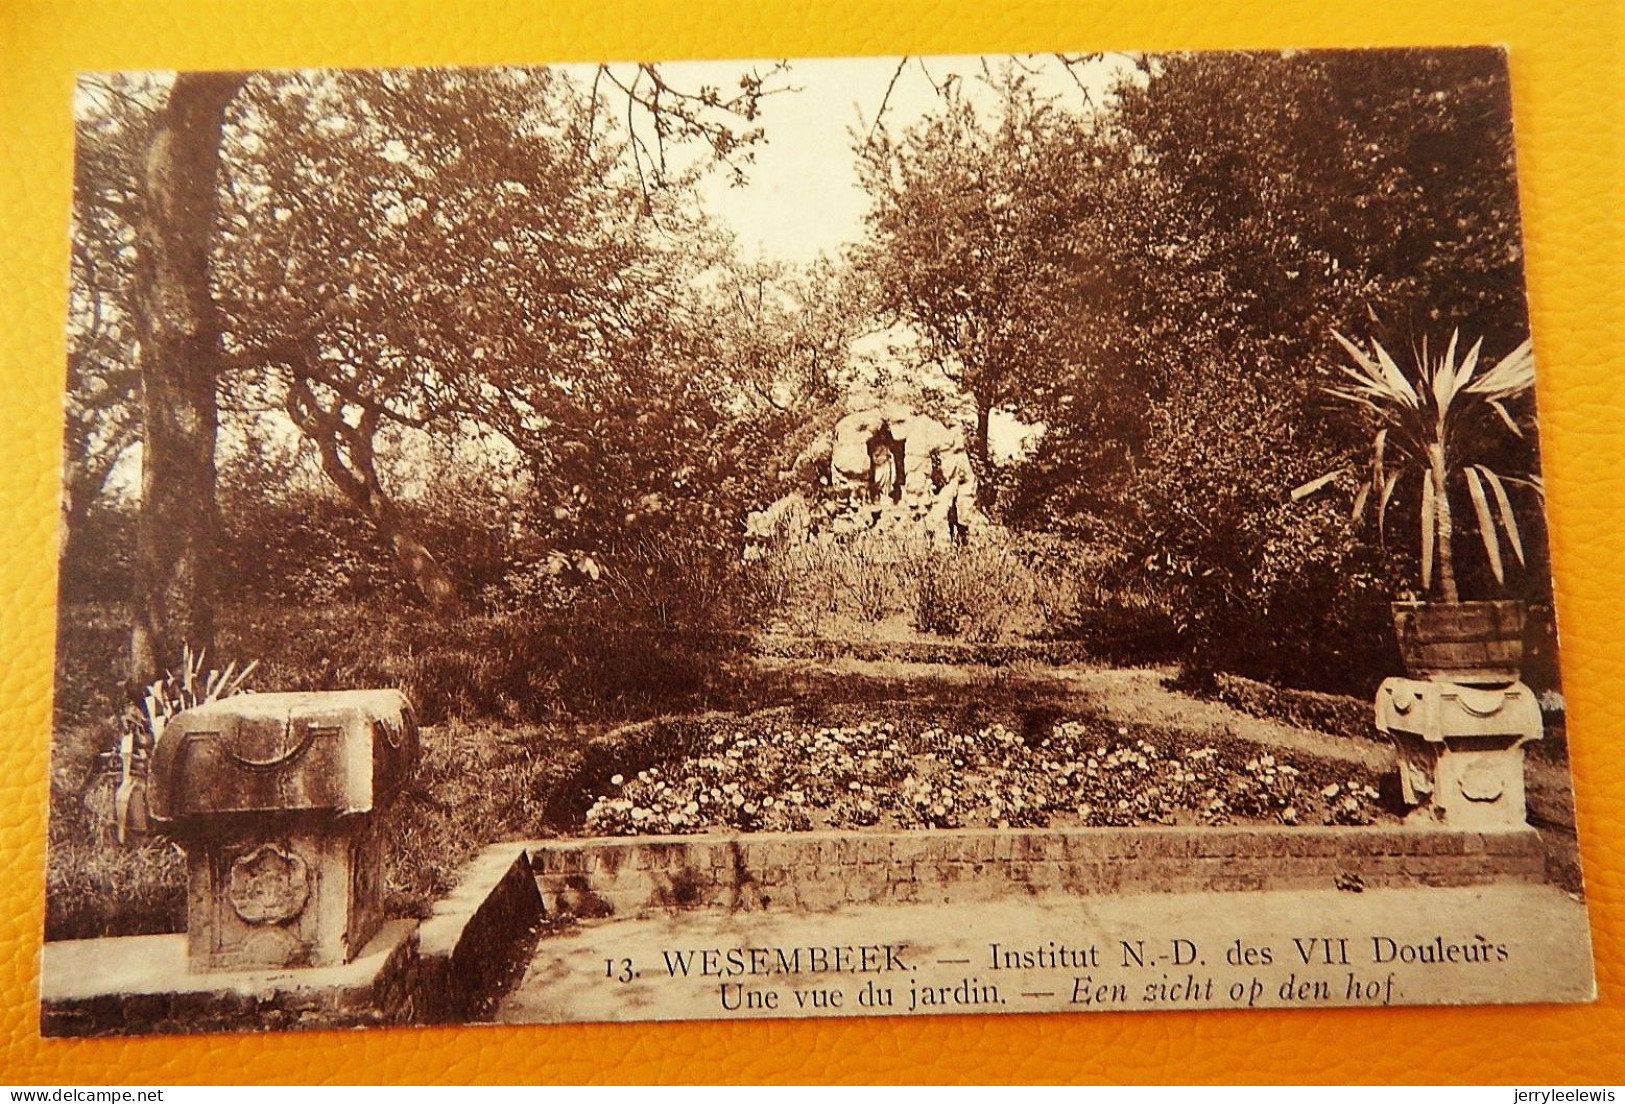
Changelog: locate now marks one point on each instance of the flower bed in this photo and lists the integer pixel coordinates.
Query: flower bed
(773, 774)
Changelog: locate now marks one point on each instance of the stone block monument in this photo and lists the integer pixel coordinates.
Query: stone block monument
(274, 798)
(1460, 749)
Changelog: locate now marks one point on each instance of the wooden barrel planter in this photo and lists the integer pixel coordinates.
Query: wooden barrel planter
(1466, 642)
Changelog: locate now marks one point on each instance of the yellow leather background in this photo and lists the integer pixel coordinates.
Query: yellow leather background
(1567, 86)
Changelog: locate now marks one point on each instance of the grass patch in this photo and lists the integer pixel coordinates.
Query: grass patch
(95, 888)
(1333, 714)
(475, 783)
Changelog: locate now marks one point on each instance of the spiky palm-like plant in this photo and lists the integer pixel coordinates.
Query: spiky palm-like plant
(143, 727)
(1436, 426)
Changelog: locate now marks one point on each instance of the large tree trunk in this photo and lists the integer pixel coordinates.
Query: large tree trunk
(417, 564)
(176, 537)
(348, 459)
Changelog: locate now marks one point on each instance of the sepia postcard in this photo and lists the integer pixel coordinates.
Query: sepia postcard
(894, 536)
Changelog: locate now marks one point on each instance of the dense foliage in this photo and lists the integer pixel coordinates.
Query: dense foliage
(477, 352)
(1205, 233)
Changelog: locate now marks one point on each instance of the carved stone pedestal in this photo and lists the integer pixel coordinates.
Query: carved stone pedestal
(273, 797)
(305, 893)
(1460, 749)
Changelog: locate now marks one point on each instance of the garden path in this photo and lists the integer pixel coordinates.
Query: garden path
(1122, 694)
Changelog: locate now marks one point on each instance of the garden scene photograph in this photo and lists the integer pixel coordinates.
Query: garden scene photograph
(521, 525)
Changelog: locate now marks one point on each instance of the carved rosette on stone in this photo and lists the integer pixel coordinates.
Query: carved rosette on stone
(274, 797)
(268, 885)
(1460, 749)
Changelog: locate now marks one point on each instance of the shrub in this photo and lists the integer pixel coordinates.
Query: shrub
(863, 575)
(305, 548)
(994, 587)
(304, 543)
(1244, 579)
(866, 569)
(673, 580)
(795, 582)
(142, 725)
(508, 667)
(980, 591)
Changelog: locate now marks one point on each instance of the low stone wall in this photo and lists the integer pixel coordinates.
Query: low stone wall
(822, 871)
(478, 938)
(451, 967)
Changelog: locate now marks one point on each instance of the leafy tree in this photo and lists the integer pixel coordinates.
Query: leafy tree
(1204, 533)
(1156, 277)
(205, 135)
(428, 249)
(784, 332)
(1258, 202)
(103, 379)
(1289, 194)
(1249, 204)
(973, 232)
